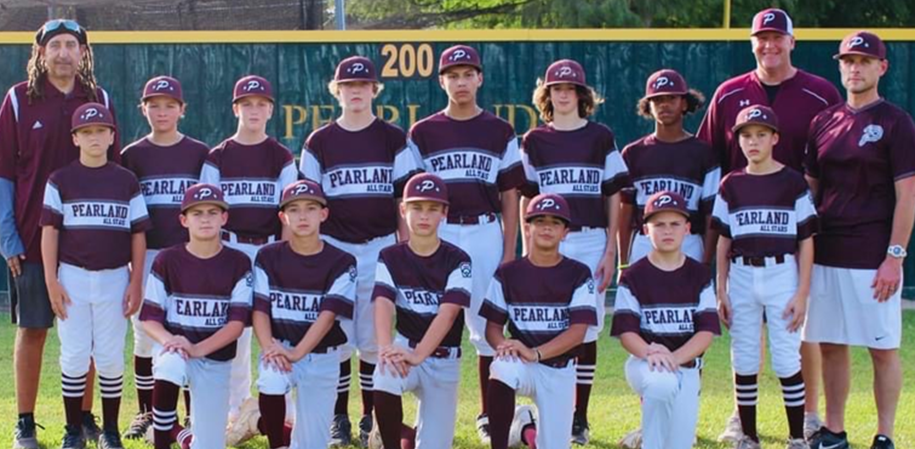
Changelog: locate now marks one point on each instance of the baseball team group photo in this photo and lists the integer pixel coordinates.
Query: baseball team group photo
(477, 244)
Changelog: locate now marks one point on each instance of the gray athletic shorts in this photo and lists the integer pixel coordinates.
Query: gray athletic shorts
(29, 299)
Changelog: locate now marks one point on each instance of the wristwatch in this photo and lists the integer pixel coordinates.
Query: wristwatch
(896, 251)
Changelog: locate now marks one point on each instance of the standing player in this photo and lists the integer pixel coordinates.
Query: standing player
(252, 169)
(547, 300)
(796, 97)
(93, 226)
(35, 125)
(578, 159)
(423, 285)
(672, 159)
(302, 289)
(665, 318)
(476, 153)
(197, 303)
(362, 163)
(860, 166)
(167, 163)
(766, 220)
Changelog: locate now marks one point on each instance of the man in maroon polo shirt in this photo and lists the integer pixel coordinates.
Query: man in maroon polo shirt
(796, 97)
(36, 140)
(861, 170)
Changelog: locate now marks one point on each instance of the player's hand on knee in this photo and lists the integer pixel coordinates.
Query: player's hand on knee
(180, 345)
(278, 362)
(796, 311)
(724, 308)
(656, 348)
(133, 298)
(662, 362)
(59, 298)
(887, 280)
(15, 264)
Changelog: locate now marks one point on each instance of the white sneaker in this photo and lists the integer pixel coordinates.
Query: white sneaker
(524, 415)
(732, 431)
(244, 427)
(632, 440)
(812, 424)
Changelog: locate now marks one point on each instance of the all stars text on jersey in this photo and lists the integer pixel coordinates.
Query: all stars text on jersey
(111, 214)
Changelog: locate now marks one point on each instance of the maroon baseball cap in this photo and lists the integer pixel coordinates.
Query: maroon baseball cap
(91, 114)
(862, 43)
(356, 68)
(564, 71)
(772, 19)
(163, 86)
(459, 55)
(203, 194)
(665, 82)
(425, 187)
(756, 115)
(665, 201)
(252, 85)
(548, 204)
(303, 190)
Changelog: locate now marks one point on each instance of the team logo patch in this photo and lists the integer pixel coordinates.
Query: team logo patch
(756, 113)
(253, 85)
(90, 113)
(548, 203)
(857, 41)
(357, 68)
(662, 81)
(872, 133)
(459, 54)
(427, 186)
(249, 279)
(352, 273)
(664, 200)
(162, 85)
(768, 17)
(565, 72)
(204, 193)
(466, 270)
(301, 189)
(591, 285)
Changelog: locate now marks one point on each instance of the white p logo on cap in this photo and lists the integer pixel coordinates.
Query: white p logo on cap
(858, 40)
(661, 82)
(664, 200)
(357, 67)
(548, 203)
(754, 113)
(204, 193)
(426, 186)
(566, 72)
(89, 113)
(163, 84)
(253, 84)
(770, 16)
(301, 189)
(459, 54)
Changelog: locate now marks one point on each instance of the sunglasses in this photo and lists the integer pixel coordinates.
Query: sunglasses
(54, 25)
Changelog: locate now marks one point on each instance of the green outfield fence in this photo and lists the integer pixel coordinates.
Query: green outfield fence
(300, 63)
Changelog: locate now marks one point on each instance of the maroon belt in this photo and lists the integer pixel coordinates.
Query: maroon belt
(246, 239)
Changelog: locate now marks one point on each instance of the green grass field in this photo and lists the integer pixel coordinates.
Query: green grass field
(614, 408)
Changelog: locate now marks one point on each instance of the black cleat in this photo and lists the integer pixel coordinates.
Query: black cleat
(341, 431)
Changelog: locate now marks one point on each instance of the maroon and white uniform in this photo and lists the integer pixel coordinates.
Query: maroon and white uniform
(362, 173)
(195, 298)
(585, 167)
(478, 159)
(417, 286)
(667, 308)
(688, 167)
(96, 211)
(252, 177)
(796, 102)
(856, 156)
(539, 304)
(293, 290)
(765, 216)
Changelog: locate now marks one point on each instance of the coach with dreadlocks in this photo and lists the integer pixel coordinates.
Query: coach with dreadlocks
(35, 140)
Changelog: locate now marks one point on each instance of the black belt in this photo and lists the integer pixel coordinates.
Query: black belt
(692, 364)
(561, 362)
(441, 352)
(324, 350)
(246, 239)
(472, 219)
(757, 261)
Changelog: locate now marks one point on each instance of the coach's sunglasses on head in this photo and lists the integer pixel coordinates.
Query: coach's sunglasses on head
(53, 27)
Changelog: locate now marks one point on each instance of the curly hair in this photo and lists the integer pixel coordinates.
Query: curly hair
(694, 101)
(588, 100)
(37, 73)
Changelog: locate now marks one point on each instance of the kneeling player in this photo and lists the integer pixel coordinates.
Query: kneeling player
(548, 302)
(666, 318)
(425, 283)
(198, 301)
(758, 273)
(301, 288)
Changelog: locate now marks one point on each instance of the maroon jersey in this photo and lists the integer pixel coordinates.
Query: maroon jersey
(665, 307)
(764, 215)
(540, 303)
(96, 211)
(293, 290)
(361, 172)
(688, 167)
(197, 297)
(857, 156)
(252, 177)
(478, 158)
(582, 165)
(36, 141)
(799, 99)
(164, 174)
(417, 285)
